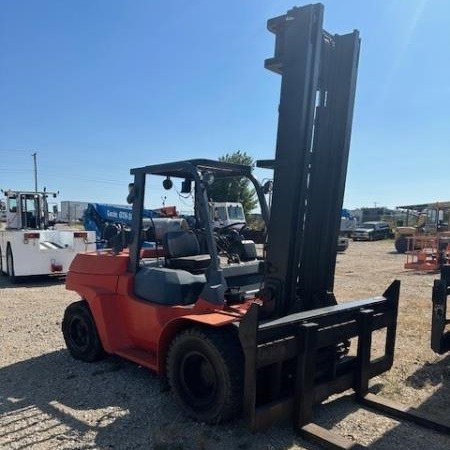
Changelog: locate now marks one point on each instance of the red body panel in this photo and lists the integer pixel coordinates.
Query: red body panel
(136, 329)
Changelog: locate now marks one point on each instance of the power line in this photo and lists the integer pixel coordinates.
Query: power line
(17, 151)
(51, 174)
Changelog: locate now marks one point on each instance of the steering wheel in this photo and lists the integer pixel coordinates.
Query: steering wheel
(231, 225)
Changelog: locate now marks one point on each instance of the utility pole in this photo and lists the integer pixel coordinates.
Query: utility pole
(35, 171)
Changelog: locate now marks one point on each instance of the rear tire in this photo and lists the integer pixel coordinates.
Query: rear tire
(80, 333)
(401, 244)
(205, 370)
(10, 265)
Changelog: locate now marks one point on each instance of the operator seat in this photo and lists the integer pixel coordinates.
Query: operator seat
(183, 252)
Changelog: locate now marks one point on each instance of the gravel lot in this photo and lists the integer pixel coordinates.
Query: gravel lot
(50, 401)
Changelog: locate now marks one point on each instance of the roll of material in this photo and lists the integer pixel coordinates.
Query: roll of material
(156, 228)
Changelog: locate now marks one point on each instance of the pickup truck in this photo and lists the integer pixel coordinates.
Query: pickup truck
(371, 231)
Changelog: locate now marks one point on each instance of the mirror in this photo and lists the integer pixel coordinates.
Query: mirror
(167, 183)
(268, 186)
(186, 186)
(208, 178)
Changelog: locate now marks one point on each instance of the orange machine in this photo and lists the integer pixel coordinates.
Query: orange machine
(182, 309)
(427, 253)
(229, 330)
(210, 323)
(170, 304)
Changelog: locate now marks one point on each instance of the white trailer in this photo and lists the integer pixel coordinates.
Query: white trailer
(72, 211)
(28, 246)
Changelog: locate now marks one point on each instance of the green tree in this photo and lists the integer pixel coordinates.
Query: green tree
(235, 189)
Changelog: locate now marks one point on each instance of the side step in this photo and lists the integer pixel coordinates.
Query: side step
(138, 356)
(297, 362)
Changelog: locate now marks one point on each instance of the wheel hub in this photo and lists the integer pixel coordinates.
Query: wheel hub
(198, 379)
(79, 333)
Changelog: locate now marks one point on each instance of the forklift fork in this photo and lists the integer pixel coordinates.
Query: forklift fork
(289, 349)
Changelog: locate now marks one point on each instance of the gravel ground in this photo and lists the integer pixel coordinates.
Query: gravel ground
(50, 401)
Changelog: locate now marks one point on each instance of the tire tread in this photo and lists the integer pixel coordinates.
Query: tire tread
(96, 352)
(226, 344)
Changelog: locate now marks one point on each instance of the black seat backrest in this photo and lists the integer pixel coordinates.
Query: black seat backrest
(181, 243)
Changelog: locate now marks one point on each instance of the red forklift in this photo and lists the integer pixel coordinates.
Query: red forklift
(262, 336)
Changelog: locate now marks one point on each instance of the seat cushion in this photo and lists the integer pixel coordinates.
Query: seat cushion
(167, 286)
(190, 263)
(181, 243)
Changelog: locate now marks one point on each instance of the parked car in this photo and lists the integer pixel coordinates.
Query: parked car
(370, 231)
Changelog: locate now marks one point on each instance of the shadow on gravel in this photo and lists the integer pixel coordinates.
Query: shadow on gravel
(342, 411)
(432, 374)
(54, 401)
(58, 402)
(407, 435)
(31, 281)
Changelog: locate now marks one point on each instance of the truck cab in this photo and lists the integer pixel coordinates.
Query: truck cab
(26, 210)
(224, 214)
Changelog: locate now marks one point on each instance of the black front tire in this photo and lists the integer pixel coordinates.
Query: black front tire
(205, 370)
(80, 333)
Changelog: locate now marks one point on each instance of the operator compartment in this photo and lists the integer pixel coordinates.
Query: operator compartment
(176, 276)
(169, 287)
(178, 260)
(179, 277)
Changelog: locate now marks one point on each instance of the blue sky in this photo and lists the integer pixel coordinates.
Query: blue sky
(98, 86)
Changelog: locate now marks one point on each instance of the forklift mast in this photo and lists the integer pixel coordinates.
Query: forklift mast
(314, 127)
